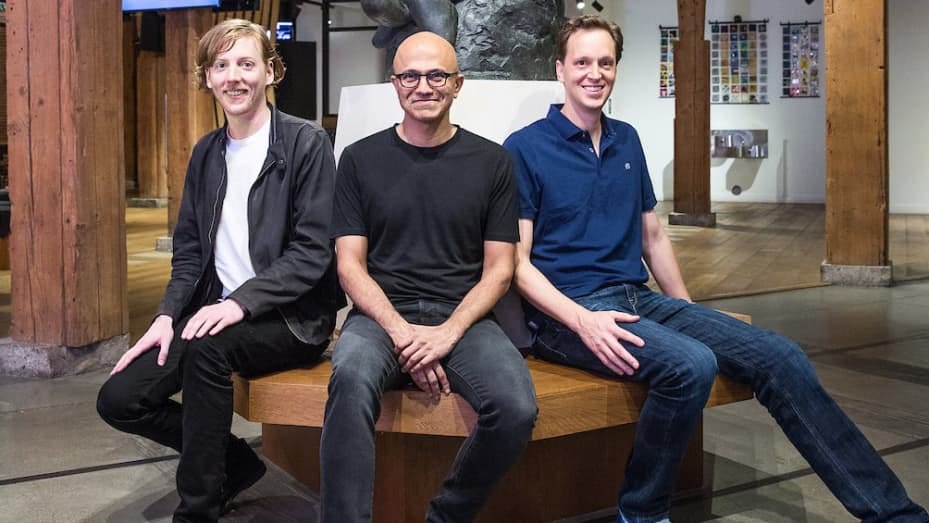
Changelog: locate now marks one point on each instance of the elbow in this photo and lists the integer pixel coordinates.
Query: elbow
(506, 280)
(518, 274)
(502, 276)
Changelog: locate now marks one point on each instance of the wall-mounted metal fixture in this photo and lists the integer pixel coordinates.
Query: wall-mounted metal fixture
(741, 143)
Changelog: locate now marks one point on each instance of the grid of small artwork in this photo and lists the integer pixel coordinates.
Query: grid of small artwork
(668, 37)
(801, 60)
(739, 62)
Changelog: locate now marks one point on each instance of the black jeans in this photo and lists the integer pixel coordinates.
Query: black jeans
(484, 368)
(137, 400)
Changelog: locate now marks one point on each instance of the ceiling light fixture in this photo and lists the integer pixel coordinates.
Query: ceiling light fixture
(597, 5)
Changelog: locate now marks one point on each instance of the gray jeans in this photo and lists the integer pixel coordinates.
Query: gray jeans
(484, 368)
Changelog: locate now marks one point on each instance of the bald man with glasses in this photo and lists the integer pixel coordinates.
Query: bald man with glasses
(425, 228)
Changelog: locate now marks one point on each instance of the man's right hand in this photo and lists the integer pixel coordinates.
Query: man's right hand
(431, 378)
(160, 333)
(401, 334)
(601, 334)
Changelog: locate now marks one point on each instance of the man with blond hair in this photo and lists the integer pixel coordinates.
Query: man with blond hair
(251, 288)
(588, 229)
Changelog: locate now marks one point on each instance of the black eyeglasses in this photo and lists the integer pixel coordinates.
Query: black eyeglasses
(433, 78)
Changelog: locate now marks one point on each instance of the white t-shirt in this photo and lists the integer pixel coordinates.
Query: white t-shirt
(244, 159)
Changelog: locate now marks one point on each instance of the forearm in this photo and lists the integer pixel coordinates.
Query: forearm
(659, 255)
(369, 298)
(539, 291)
(480, 300)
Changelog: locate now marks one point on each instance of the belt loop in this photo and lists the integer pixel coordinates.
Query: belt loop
(632, 296)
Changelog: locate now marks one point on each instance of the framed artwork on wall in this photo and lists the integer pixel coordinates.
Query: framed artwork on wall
(668, 37)
(739, 62)
(800, 45)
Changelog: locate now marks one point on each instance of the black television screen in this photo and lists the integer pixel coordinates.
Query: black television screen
(151, 5)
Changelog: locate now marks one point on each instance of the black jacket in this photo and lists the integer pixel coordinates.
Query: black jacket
(289, 209)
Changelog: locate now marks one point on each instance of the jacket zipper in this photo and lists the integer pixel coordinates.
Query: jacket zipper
(222, 182)
(209, 233)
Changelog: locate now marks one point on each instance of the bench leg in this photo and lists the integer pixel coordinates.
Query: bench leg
(555, 478)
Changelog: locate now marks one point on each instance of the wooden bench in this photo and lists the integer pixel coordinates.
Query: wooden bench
(573, 465)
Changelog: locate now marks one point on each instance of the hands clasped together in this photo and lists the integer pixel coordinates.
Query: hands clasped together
(420, 349)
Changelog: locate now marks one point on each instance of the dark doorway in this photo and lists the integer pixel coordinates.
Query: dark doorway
(296, 93)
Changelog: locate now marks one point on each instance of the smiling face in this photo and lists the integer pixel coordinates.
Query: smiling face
(587, 71)
(423, 53)
(238, 78)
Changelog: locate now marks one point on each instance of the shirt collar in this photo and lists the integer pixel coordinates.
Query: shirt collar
(567, 129)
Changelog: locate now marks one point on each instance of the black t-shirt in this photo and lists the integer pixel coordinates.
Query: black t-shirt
(426, 211)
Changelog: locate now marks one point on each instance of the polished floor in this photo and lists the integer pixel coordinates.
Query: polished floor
(870, 347)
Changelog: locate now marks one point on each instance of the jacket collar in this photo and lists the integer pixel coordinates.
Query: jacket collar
(275, 147)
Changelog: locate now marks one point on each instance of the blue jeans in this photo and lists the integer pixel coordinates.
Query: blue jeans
(685, 344)
(484, 368)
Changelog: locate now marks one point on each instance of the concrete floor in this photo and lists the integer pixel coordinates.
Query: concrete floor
(60, 463)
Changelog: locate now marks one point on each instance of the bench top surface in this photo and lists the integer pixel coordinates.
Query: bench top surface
(570, 401)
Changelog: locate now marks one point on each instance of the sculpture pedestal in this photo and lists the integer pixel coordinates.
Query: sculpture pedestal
(490, 108)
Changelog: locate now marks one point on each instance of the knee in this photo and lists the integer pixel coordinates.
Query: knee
(788, 361)
(522, 415)
(114, 404)
(513, 414)
(697, 370)
(353, 389)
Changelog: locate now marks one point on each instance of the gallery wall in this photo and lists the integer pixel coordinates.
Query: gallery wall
(795, 168)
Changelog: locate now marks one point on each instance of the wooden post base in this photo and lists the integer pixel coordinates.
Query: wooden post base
(695, 219)
(555, 478)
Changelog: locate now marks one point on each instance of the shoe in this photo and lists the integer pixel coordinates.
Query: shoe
(243, 469)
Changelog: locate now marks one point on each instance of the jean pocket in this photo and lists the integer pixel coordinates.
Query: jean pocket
(547, 341)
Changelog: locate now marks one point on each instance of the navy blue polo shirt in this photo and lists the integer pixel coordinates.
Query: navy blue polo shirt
(586, 210)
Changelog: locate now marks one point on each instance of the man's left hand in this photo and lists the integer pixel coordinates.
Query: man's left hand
(212, 319)
(429, 345)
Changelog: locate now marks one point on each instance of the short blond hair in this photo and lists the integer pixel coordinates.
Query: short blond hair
(221, 37)
(588, 23)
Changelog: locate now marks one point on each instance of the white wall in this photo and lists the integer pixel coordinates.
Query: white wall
(795, 168)
(367, 109)
(908, 109)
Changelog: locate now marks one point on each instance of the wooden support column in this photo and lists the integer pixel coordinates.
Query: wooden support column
(130, 37)
(68, 250)
(151, 138)
(692, 119)
(190, 110)
(856, 143)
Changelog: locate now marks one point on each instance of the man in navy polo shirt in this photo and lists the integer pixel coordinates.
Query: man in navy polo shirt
(587, 222)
